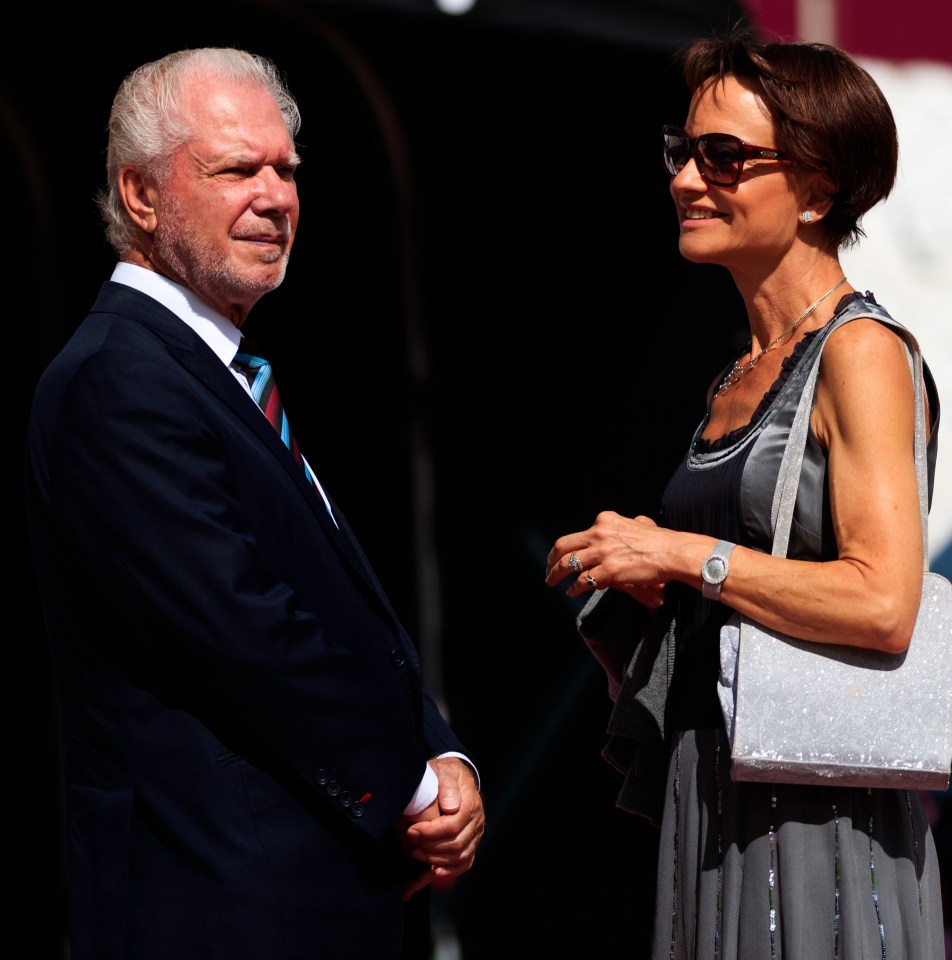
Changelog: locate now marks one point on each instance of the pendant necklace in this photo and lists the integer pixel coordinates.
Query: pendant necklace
(739, 369)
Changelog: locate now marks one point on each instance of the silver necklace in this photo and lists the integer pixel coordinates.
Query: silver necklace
(739, 369)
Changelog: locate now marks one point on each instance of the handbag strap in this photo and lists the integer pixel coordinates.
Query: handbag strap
(788, 479)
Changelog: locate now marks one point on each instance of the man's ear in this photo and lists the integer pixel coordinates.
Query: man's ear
(138, 197)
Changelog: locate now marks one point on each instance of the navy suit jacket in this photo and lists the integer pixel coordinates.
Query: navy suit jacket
(242, 714)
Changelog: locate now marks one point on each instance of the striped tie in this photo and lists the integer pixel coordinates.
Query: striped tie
(265, 392)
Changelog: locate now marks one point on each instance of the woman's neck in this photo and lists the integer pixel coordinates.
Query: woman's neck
(800, 295)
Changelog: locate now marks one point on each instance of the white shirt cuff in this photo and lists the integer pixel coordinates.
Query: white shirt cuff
(429, 787)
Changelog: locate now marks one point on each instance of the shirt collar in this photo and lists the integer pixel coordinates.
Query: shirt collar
(218, 332)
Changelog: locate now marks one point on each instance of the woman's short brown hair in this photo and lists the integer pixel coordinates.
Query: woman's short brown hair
(827, 112)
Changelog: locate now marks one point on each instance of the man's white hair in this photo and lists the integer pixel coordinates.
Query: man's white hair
(148, 120)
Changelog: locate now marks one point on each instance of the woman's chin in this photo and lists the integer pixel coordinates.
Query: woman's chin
(696, 252)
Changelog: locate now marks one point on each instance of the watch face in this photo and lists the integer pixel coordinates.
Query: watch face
(714, 569)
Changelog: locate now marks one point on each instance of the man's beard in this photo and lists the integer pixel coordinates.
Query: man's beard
(206, 270)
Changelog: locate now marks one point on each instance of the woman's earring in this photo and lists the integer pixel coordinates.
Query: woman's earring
(807, 216)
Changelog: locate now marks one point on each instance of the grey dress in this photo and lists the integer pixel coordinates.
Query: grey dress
(752, 871)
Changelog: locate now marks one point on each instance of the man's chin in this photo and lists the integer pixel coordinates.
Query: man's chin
(265, 276)
(273, 255)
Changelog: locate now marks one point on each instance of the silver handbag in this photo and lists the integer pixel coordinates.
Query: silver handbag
(802, 712)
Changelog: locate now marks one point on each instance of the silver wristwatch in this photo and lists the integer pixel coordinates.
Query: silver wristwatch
(714, 570)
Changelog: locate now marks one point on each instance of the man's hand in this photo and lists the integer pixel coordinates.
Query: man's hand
(446, 834)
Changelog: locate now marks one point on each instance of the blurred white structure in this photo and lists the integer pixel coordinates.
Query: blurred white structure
(906, 257)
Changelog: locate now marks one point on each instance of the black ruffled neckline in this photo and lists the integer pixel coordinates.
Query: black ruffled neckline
(725, 442)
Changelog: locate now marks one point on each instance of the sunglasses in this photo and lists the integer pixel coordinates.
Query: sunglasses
(719, 157)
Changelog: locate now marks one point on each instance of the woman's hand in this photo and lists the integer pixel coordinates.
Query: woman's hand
(868, 596)
(623, 553)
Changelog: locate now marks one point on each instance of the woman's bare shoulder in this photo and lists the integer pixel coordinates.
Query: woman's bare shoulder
(866, 351)
(865, 382)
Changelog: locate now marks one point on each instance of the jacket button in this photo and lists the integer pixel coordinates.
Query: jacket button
(398, 658)
(321, 777)
(333, 788)
(346, 798)
(357, 810)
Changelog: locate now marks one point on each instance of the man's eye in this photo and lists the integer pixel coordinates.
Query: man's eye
(236, 173)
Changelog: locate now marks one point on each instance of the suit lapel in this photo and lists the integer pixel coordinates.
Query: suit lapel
(191, 352)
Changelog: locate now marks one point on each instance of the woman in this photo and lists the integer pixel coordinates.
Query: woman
(784, 148)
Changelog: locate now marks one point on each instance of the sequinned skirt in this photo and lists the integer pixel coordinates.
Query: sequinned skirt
(753, 872)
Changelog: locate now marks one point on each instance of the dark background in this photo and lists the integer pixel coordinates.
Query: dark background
(486, 336)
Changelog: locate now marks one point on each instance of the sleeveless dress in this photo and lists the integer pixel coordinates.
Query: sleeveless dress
(750, 871)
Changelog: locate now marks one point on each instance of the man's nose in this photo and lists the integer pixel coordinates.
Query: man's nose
(276, 193)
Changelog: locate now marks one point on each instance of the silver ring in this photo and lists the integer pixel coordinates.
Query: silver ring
(591, 581)
(575, 565)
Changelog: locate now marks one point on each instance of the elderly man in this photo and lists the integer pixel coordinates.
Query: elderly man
(251, 767)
